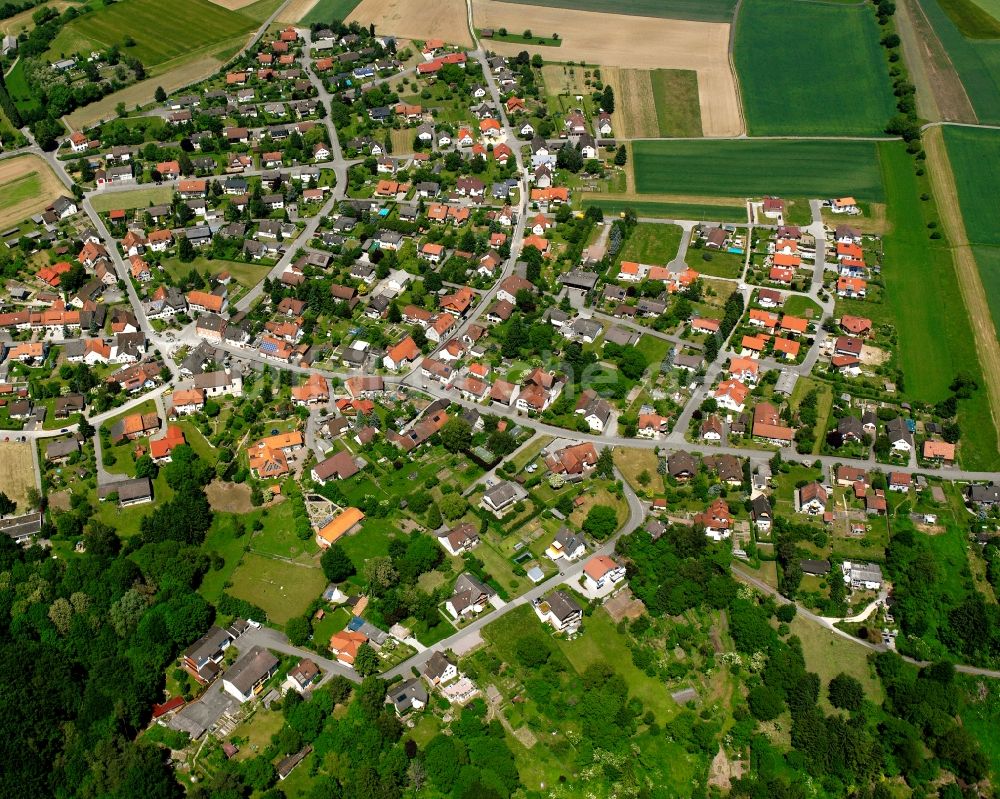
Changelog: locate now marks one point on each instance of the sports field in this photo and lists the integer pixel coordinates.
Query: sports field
(702, 10)
(329, 10)
(27, 186)
(206, 25)
(977, 62)
(811, 68)
(749, 168)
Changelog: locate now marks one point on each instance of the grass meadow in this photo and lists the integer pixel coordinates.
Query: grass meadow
(700, 10)
(848, 92)
(652, 243)
(207, 24)
(658, 210)
(752, 168)
(284, 590)
(675, 95)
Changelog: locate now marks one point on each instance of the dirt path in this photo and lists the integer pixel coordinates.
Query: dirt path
(969, 282)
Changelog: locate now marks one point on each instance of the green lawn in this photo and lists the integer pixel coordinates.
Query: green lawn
(923, 298)
(652, 243)
(828, 654)
(140, 198)
(705, 10)
(20, 189)
(752, 168)
(282, 589)
(206, 24)
(675, 94)
(849, 92)
(330, 10)
(17, 88)
(713, 213)
(799, 305)
(278, 538)
(655, 349)
(246, 274)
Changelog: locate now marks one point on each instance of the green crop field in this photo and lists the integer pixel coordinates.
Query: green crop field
(20, 189)
(977, 62)
(206, 25)
(329, 10)
(975, 156)
(702, 10)
(975, 159)
(848, 91)
(804, 168)
(706, 213)
(976, 19)
(926, 308)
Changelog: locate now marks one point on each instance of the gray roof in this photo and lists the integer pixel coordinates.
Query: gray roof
(436, 666)
(562, 606)
(579, 279)
(136, 488)
(403, 695)
(502, 494)
(621, 336)
(250, 669)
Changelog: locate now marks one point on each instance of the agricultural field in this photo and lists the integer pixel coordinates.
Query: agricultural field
(700, 10)
(208, 26)
(976, 61)
(17, 472)
(654, 103)
(801, 168)
(975, 156)
(327, 11)
(848, 93)
(634, 42)
(976, 19)
(433, 19)
(925, 305)
(652, 243)
(675, 95)
(27, 185)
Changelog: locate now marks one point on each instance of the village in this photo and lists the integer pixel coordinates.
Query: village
(354, 279)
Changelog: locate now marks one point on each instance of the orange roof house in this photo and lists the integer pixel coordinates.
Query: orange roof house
(787, 347)
(316, 389)
(939, 450)
(341, 524)
(160, 449)
(269, 456)
(794, 324)
(552, 195)
(345, 645)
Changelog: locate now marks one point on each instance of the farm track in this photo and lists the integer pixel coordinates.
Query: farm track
(966, 268)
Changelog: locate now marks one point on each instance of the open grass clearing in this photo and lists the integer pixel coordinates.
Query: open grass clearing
(613, 206)
(247, 274)
(228, 537)
(853, 75)
(652, 243)
(282, 589)
(675, 96)
(126, 200)
(753, 168)
(632, 462)
(828, 654)
(278, 538)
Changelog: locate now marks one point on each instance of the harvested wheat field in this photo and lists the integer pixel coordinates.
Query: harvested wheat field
(636, 42)
(635, 107)
(296, 10)
(431, 19)
(27, 186)
(17, 472)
